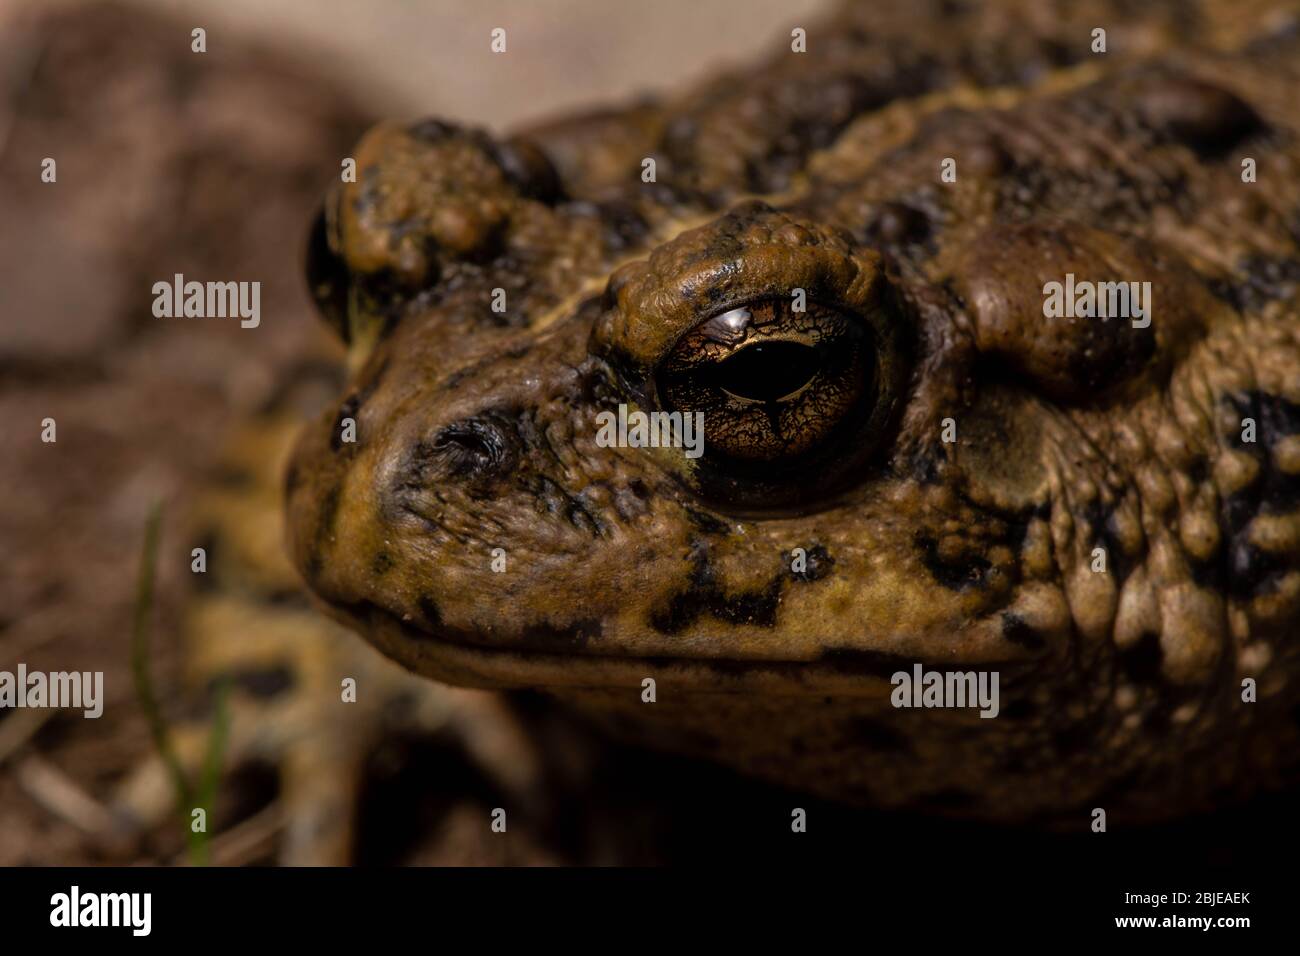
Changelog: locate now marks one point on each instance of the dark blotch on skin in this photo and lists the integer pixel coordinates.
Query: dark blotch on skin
(382, 563)
(704, 595)
(967, 572)
(1100, 519)
(365, 611)
(528, 169)
(1251, 571)
(749, 607)
(1210, 573)
(819, 563)
(429, 611)
(1275, 415)
(1015, 630)
(1259, 280)
(1248, 570)
(1141, 662)
(707, 522)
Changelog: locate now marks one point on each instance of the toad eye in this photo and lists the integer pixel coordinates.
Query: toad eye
(773, 384)
(766, 371)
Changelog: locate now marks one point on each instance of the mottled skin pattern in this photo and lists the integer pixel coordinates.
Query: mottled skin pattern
(476, 429)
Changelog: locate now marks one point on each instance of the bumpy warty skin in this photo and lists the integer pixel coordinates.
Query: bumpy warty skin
(476, 429)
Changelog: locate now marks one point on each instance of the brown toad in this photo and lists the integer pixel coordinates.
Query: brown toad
(841, 260)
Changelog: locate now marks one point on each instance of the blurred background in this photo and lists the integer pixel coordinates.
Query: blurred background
(416, 57)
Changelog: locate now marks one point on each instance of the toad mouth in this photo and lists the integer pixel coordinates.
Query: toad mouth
(457, 656)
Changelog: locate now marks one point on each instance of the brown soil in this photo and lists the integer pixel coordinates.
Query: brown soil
(166, 162)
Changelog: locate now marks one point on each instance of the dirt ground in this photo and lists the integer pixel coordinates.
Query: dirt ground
(166, 163)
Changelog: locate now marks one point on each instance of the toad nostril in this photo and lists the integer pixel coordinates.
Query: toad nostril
(475, 448)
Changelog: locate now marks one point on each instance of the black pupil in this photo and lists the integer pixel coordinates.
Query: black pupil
(767, 371)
